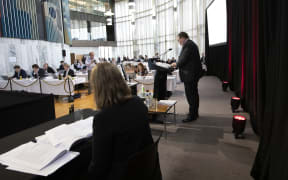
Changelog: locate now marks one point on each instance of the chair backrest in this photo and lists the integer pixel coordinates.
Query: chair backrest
(145, 165)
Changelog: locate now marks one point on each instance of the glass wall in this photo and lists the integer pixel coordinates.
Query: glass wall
(124, 29)
(79, 30)
(89, 6)
(154, 25)
(144, 28)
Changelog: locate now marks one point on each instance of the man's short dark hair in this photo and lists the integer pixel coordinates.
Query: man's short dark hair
(16, 67)
(61, 61)
(183, 35)
(35, 66)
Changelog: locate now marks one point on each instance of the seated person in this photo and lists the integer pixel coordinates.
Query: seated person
(78, 65)
(48, 69)
(61, 67)
(141, 70)
(68, 71)
(19, 72)
(169, 61)
(37, 72)
(118, 60)
(173, 60)
(114, 61)
(146, 58)
(120, 127)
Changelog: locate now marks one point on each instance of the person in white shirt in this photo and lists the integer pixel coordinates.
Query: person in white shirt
(90, 63)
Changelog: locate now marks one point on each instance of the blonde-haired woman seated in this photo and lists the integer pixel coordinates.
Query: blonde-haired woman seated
(120, 128)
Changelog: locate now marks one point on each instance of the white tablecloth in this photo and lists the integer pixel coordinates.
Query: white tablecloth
(149, 82)
(49, 86)
(82, 75)
(28, 85)
(4, 85)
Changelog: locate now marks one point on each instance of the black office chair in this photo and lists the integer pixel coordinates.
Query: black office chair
(145, 165)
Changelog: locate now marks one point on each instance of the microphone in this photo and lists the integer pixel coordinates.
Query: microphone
(170, 49)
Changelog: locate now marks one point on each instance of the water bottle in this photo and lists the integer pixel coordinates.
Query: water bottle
(147, 101)
(142, 91)
(148, 98)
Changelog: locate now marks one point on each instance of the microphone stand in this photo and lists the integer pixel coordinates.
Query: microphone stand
(168, 50)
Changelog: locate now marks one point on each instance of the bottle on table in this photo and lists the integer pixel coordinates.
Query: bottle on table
(143, 91)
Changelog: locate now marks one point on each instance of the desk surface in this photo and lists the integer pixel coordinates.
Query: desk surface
(66, 172)
(161, 108)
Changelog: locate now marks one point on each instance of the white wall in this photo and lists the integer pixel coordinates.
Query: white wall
(29, 52)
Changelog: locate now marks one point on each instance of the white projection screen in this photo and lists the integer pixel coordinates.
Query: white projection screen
(217, 22)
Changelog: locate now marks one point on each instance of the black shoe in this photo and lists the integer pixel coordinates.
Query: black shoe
(189, 120)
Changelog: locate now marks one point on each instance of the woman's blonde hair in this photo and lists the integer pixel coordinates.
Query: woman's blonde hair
(108, 85)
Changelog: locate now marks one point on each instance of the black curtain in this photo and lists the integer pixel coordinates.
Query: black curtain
(217, 61)
(272, 161)
(243, 54)
(258, 73)
(216, 57)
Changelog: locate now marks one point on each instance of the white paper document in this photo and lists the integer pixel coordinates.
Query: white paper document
(167, 102)
(36, 158)
(49, 169)
(50, 152)
(65, 135)
(163, 65)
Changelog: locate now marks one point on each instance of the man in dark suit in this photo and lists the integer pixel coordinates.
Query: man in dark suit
(61, 67)
(189, 65)
(19, 72)
(48, 69)
(68, 71)
(38, 72)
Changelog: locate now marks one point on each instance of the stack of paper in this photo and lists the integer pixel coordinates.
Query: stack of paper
(36, 158)
(51, 150)
(167, 102)
(163, 65)
(66, 134)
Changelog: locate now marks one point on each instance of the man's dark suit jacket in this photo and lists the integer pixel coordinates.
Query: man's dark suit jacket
(21, 73)
(41, 73)
(61, 67)
(118, 132)
(51, 70)
(70, 73)
(189, 63)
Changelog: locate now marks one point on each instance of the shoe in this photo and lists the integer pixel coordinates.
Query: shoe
(189, 120)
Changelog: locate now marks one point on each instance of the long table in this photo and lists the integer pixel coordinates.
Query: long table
(22, 110)
(148, 82)
(44, 86)
(73, 170)
(82, 75)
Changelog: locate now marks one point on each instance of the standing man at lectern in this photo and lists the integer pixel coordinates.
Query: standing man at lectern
(189, 65)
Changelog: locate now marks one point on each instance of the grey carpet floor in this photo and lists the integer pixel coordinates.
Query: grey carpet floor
(206, 149)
